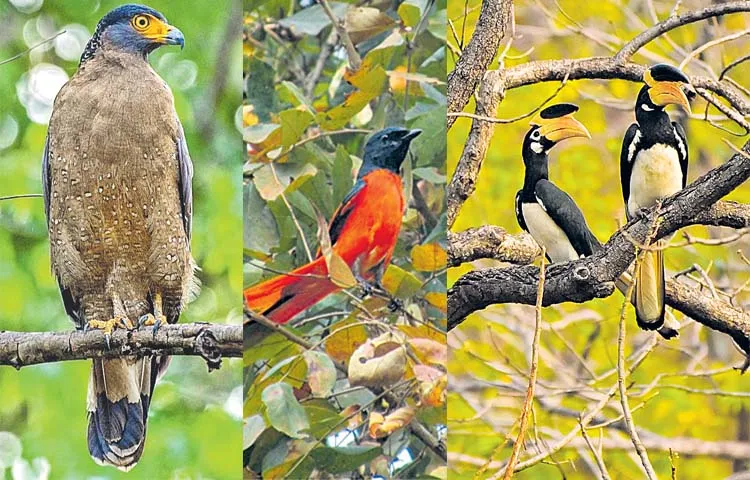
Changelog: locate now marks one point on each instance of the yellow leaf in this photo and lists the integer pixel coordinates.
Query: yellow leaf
(438, 300)
(348, 335)
(400, 283)
(338, 271)
(429, 257)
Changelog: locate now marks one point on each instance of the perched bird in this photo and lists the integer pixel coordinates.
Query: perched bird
(363, 232)
(542, 209)
(117, 182)
(653, 166)
(549, 214)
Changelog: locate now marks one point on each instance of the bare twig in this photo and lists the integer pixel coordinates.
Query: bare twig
(529, 401)
(354, 59)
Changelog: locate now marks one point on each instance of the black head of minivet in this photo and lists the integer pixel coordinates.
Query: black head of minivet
(387, 149)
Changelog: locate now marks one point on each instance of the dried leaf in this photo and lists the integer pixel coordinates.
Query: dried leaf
(363, 23)
(380, 426)
(430, 351)
(380, 362)
(433, 384)
(438, 300)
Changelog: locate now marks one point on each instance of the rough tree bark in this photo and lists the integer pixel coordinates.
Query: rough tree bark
(210, 341)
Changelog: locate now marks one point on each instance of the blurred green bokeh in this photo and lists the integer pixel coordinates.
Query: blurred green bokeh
(194, 421)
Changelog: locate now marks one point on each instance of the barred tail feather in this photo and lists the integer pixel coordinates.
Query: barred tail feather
(118, 400)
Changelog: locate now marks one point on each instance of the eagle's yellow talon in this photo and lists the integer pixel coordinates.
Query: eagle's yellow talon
(108, 326)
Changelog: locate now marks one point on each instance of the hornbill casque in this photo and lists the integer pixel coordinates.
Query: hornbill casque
(653, 166)
(549, 214)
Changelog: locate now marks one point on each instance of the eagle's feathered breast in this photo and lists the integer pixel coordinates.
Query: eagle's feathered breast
(115, 206)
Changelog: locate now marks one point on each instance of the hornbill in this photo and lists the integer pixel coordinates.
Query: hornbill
(542, 209)
(653, 166)
(549, 214)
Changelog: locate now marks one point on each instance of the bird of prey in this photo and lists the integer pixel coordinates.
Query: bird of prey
(363, 232)
(549, 214)
(653, 166)
(117, 179)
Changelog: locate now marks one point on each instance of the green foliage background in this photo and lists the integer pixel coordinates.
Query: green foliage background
(191, 432)
(488, 343)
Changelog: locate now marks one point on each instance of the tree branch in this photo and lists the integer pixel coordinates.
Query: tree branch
(210, 341)
(494, 19)
(592, 277)
(493, 242)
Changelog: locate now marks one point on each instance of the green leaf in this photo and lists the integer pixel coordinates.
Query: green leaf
(259, 227)
(337, 460)
(293, 125)
(324, 419)
(400, 283)
(293, 95)
(342, 174)
(321, 373)
(252, 427)
(260, 89)
(270, 186)
(283, 410)
(311, 21)
(410, 11)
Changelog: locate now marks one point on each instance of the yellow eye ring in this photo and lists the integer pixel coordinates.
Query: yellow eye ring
(140, 22)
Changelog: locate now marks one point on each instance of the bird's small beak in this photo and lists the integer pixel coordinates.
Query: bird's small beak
(669, 93)
(174, 37)
(412, 134)
(560, 128)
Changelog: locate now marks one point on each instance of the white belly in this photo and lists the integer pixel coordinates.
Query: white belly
(547, 234)
(656, 174)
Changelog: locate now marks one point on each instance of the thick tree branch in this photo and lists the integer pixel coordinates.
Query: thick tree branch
(592, 277)
(464, 179)
(495, 18)
(493, 242)
(210, 341)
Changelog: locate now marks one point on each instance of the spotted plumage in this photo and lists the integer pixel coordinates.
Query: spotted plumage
(117, 182)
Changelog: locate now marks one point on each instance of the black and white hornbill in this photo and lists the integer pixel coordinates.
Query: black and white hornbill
(542, 209)
(653, 166)
(549, 214)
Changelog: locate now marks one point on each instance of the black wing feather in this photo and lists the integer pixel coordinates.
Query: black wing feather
(626, 167)
(683, 158)
(341, 215)
(519, 212)
(566, 214)
(185, 181)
